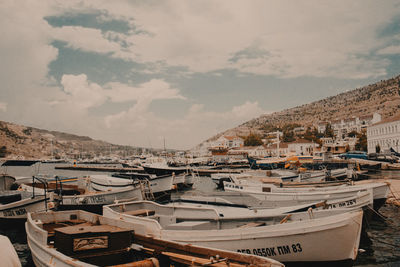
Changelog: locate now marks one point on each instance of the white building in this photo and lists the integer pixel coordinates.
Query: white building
(344, 126)
(338, 146)
(272, 150)
(385, 134)
(252, 151)
(302, 147)
(228, 142)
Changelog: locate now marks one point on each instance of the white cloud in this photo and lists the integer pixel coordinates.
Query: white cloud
(302, 38)
(3, 106)
(390, 50)
(81, 93)
(196, 126)
(84, 94)
(148, 91)
(25, 49)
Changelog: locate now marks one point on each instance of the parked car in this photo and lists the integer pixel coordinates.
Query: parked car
(354, 155)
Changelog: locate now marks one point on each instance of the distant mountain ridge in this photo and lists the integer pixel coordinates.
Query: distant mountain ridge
(29, 142)
(382, 97)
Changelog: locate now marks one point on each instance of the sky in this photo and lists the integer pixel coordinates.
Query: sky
(141, 72)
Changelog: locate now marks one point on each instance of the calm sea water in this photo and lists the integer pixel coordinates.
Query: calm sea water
(384, 234)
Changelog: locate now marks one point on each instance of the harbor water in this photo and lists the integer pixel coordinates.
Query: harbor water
(382, 248)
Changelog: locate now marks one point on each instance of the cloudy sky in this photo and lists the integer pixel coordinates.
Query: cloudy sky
(136, 72)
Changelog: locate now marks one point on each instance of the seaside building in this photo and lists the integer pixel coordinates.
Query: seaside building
(228, 142)
(272, 151)
(338, 146)
(384, 135)
(252, 151)
(344, 126)
(302, 147)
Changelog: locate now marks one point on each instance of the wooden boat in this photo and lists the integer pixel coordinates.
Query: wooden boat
(82, 196)
(16, 204)
(279, 176)
(362, 199)
(180, 181)
(160, 186)
(79, 238)
(304, 194)
(298, 237)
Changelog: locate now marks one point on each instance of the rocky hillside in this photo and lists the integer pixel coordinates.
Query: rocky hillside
(18, 141)
(382, 97)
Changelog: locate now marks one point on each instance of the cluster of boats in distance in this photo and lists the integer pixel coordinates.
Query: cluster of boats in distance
(254, 217)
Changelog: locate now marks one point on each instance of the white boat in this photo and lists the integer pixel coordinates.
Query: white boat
(16, 204)
(82, 196)
(298, 237)
(79, 238)
(159, 185)
(280, 176)
(362, 199)
(304, 194)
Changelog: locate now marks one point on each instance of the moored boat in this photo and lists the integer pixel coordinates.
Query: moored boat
(82, 196)
(304, 194)
(298, 237)
(79, 238)
(160, 186)
(362, 199)
(14, 205)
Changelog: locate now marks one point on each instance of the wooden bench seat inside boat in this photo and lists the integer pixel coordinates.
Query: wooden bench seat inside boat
(190, 225)
(140, 212)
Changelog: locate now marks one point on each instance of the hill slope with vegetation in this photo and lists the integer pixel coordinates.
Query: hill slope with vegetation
(382, 97)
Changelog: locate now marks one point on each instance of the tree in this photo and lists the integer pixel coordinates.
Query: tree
(253, 140)
(352, 134)
(329, 131)
(362, 143)
(288, 136)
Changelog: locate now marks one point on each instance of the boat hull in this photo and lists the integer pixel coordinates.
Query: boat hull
(18, 210)
(333, 238)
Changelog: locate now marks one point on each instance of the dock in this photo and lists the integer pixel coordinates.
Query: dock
(99, 168)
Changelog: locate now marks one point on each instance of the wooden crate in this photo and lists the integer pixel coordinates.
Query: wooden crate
(88, 239)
